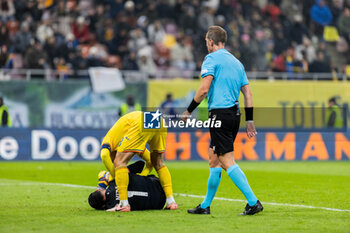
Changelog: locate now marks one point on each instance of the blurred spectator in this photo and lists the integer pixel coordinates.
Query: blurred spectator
(81, 30)
(138, 34)
(280, 42)
(181, 56)
(33, 10)
(206, 19)
(334, 118)
(36, 57)
(320, 65)
(137, 40)
(290, 9)
(298, 30)
(116, 6)
(7, 10)
(62, 67)
(45, 30)
(62, 17)
(246, 52)
(130, 62)
(5, 118)
(120, 43)
(145, 61)
(167, 106)
(164, 9)
(22, 39)
(323, 48)
(188, 20)
(4, 55)
(78, 61)
(52, 49)
(336, 8)
(306, 49)
(260, 45)
(320, 15)
(67, 47)
(45, 4)
(129, 106)
(4, 36)
(96, 56)
(279, 64)
(272, 11)
(156, 32)
(344, 23)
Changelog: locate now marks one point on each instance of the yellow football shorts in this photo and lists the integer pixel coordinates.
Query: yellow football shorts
(136, 138)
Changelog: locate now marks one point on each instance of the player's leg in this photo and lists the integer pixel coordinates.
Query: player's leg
(164, 178)
(214, 179)
(122, 178)
(157, 141)
(146, 156)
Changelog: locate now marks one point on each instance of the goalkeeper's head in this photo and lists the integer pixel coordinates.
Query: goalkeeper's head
(97, 200)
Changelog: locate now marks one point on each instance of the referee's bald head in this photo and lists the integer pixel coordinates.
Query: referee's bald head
(217, 34)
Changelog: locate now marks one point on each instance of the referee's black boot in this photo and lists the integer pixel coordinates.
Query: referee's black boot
(199, 210)
(250, 210)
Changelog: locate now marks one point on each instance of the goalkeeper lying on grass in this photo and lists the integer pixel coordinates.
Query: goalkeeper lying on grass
(144, 192)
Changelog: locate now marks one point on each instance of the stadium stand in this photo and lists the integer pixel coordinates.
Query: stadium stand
(154, 36)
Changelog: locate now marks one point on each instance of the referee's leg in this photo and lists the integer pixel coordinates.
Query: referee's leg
(214, 179)
(237, 176)
(225, 138)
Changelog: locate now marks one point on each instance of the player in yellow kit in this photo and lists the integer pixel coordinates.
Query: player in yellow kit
(127, 138)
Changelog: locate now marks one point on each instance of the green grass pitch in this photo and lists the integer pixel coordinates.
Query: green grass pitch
(29, 204)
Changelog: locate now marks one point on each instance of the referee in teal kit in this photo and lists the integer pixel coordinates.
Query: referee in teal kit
(223, 77)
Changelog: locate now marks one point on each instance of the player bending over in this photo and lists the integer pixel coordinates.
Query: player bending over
(144, 192)
(126, 138)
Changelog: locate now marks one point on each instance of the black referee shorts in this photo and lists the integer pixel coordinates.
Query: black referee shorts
(222, 138)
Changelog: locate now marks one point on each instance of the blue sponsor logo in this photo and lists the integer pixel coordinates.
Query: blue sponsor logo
(151, 120)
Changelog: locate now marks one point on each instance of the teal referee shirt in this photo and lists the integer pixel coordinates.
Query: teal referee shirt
(229, 77)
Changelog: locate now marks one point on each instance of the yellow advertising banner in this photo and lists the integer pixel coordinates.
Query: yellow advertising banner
(277, 103)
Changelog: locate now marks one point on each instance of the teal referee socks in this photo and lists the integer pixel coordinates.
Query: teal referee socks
(240, 180)
(213, 184)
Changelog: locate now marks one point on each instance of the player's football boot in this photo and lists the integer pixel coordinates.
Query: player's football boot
(250, 210)
(172, 206)
(199, 210)
(121, 208)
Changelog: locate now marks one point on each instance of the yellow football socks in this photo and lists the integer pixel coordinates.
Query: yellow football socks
(107, 161)
(122, 181)
(165, 181)
(146, 156)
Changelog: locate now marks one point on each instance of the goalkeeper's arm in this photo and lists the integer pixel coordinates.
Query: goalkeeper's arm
(103, 179)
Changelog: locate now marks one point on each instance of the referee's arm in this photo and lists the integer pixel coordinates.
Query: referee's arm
(248, 104)
(248, 97)
(199, 96)
(203, 89)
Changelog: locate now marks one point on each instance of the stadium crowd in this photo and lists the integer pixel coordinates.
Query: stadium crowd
(152, 35)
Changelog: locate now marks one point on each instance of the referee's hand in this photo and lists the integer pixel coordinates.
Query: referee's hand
(251, 131)
(185, 115)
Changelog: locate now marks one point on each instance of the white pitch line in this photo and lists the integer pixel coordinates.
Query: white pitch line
(266, 203)
(179, 194)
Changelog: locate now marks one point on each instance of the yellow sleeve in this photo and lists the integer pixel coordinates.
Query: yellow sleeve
(146, 156)
(107, 161)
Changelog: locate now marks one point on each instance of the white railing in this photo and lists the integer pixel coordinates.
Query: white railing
(137, 76)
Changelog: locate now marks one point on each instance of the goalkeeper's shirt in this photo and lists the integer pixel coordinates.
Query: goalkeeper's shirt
(144, 193)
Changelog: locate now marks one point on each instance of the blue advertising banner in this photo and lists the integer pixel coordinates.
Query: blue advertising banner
(69, 144)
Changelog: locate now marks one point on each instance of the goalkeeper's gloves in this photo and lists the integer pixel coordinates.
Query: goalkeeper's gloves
(103, 178)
